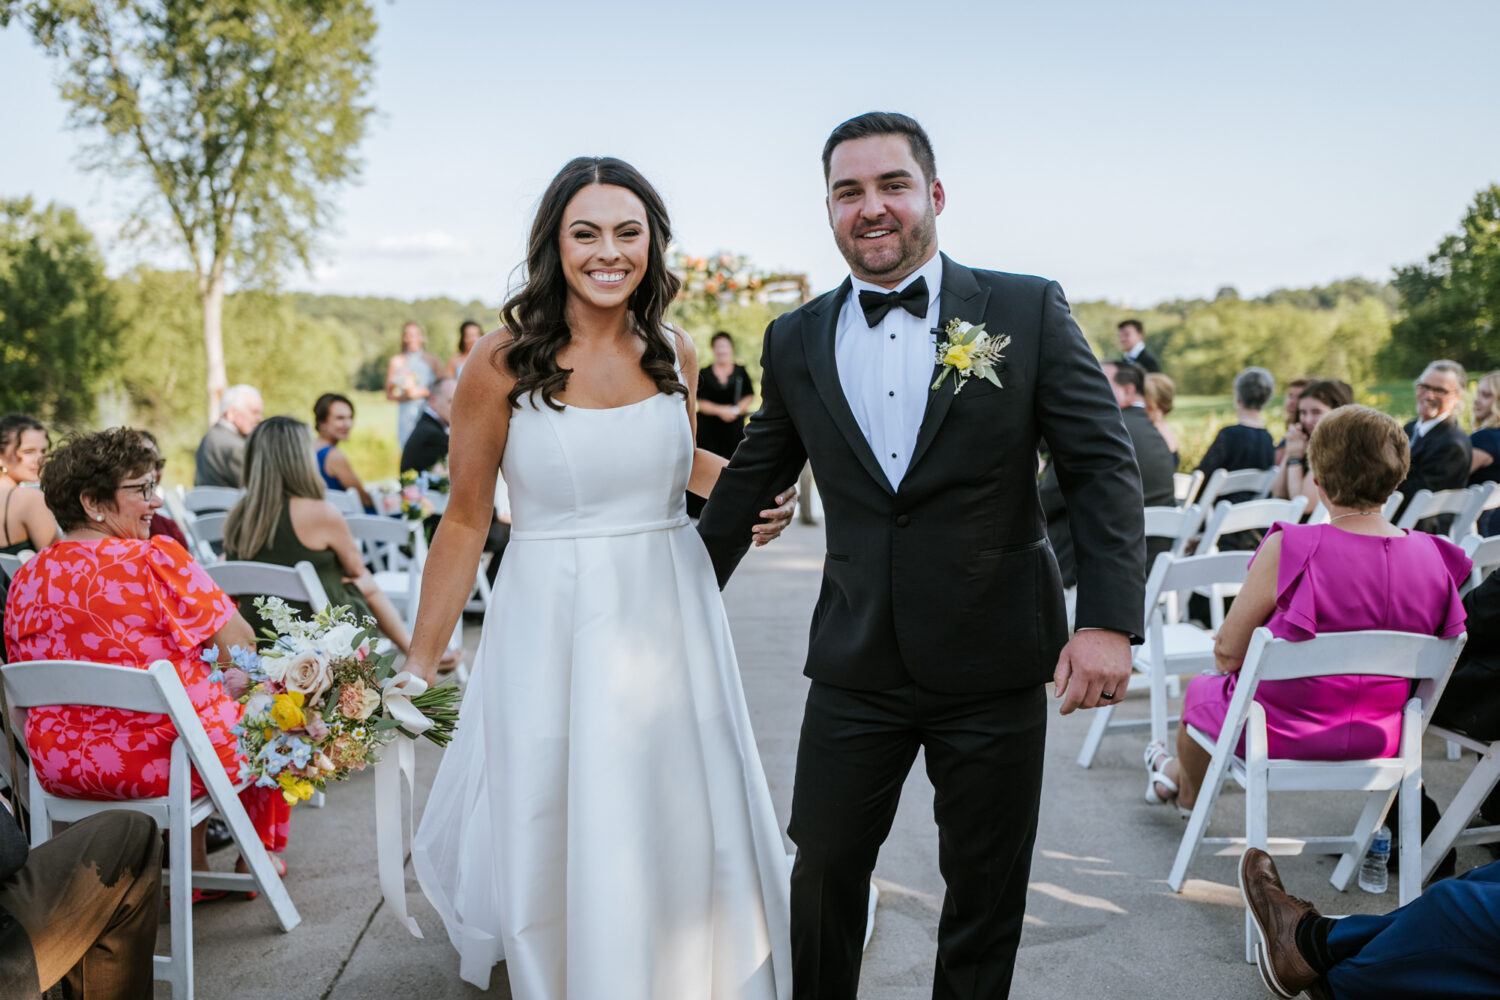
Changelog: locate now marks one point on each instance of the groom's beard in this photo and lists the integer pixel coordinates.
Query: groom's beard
(890, 263)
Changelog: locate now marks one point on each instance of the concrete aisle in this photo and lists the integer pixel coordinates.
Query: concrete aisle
(1101, 921)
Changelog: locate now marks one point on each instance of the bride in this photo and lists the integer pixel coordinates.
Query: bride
(600, 821)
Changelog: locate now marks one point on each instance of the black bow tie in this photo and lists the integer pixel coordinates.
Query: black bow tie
(912, 298)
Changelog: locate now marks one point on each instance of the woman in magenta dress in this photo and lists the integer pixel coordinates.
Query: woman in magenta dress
(1356, 572)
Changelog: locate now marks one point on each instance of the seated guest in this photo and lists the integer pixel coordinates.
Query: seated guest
(428, 446)
(1441, 455)
(1161, 392)
(80, 908)
(24, 517)
(161, 524)
(108, 591)
(333, 419)
(1151, 455)
(469, 333)
(220, 459)
(1244, 444)
(1356, 572)
(1293, 393)
(1132, 336)
(1440, 946)
(283, 519)
(428, 443)
(1293, 477)
(1484, 467)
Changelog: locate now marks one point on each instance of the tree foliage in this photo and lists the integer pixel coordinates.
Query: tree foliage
(58, 320)
(1452, 302)
(239, 115)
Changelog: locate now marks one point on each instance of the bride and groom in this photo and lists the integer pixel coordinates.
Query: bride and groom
(601, 821)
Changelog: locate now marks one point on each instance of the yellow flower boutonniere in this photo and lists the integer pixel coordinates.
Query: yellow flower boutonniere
(968, 350)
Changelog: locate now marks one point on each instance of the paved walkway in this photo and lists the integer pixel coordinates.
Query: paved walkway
(1101, 921)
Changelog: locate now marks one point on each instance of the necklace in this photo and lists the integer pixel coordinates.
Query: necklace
(1354, 513)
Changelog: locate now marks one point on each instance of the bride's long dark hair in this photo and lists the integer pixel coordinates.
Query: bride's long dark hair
(535, 316)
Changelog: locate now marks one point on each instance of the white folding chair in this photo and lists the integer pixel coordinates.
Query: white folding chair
(1392, 504)
(1453, 830)
(12, 561)
(243, 578)
(1185, 486)
(1426, 503)
(1173, 647)
(1425, 659)
(1225, 483)
(157, 689)
(209, 530)
(347, 501)
(186, 522)
(207, 499)
(1485, 554)
(1483, 497)
(1179, 524)
(1252, 515)
(397, 574)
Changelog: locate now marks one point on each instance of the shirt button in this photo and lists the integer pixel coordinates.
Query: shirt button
(893, 454)
(902, 520)
(893, 336)
(891, 393)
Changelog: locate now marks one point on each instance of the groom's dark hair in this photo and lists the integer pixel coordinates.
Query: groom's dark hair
(884, 123)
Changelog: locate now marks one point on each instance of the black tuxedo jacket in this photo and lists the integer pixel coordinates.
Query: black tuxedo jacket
(948, 580)
(1439, 459)
(426, 446)
(1147, 360)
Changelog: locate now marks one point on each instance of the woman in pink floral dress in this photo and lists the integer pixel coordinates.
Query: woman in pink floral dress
(109, 592)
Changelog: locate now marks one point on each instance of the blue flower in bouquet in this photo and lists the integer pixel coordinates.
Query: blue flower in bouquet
(300, 752)
(266, 781)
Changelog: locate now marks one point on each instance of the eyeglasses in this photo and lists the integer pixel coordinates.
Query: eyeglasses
(1436, 390)
(146, 489)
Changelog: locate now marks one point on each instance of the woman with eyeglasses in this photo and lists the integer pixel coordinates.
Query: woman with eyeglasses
(108, 591)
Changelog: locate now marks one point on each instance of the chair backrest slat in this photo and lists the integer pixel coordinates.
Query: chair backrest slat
(1426, 503)
(290, 583)
(1252, 515)
(75, 682)
(204, 499)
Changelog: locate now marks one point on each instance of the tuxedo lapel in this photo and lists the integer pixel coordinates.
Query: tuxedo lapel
(963, 298)
(821, 328)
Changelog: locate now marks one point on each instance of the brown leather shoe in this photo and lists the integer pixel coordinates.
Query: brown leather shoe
(1285, 971)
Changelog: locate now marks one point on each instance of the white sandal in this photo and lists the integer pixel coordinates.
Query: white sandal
(1156, 774)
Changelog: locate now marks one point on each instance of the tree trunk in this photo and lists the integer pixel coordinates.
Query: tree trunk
(212, 292)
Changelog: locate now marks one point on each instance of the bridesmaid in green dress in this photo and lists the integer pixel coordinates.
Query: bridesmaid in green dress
(283, 519)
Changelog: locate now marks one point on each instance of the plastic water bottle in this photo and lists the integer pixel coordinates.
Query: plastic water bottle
(1372, 871)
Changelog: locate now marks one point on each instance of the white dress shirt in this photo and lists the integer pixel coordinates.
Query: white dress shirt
(1423, 426)
(886, 369)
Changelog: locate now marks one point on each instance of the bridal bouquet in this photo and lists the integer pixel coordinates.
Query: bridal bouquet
(320, 703)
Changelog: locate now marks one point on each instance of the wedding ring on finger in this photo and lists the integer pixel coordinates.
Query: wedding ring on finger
(1107, 695)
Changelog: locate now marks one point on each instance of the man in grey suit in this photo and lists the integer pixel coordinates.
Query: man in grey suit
(220, 460)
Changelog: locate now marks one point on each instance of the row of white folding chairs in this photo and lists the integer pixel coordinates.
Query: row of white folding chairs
(1465, 505)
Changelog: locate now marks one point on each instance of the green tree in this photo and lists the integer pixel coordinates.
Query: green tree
(239, 115)
(58, 321)
(1452, 302)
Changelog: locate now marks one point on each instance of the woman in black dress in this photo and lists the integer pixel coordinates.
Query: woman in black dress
(725, 396)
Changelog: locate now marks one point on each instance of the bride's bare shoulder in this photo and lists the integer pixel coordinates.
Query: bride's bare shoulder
(490, 362)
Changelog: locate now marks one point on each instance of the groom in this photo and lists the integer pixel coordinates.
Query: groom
(941, 614)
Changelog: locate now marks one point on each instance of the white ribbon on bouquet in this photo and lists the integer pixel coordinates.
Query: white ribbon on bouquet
(400, 759)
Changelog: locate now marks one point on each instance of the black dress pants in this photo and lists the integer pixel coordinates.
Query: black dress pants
(984, 757)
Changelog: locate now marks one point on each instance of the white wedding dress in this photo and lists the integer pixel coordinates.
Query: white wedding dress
(601, 821)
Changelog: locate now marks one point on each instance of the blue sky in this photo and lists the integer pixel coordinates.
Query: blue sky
(1132, 151)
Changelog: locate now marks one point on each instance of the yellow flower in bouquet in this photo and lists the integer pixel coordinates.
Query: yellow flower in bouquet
(286, 711)
(295, 789)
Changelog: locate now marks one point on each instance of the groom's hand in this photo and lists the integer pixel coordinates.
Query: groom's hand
(1095, 662)
(777, 518)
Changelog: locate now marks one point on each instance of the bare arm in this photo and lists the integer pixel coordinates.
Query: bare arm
(36, 518)
(235, 632)
(339, 467)
(319, 525)
(481, 423)
(1251, 608)
(393, 371)
(1480, 460)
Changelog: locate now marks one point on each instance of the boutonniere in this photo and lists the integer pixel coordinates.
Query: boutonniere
(969, 350)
